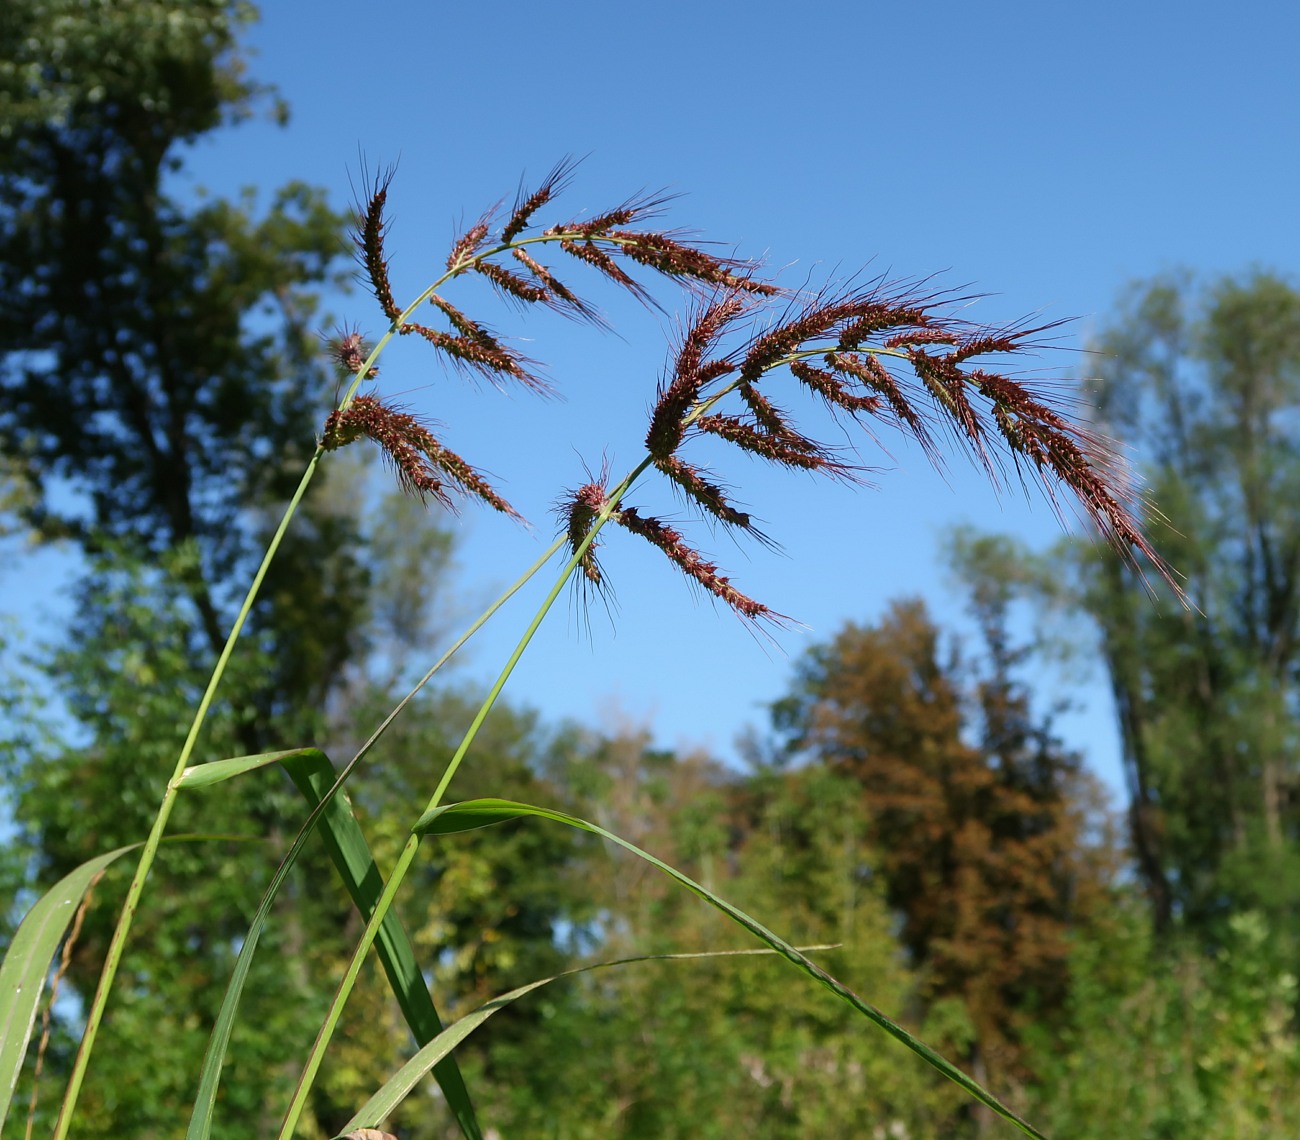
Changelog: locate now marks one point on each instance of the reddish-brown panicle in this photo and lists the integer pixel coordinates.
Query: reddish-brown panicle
(694, 565)
(558, 295)
(511, 284)
(479, 351)
(464, 325)
(416, 456)
(947, 385)
(593, 255)
(635, 209)
(831, 388)
(869, 371)
(599, 226)
(526, 207)
(691, 372)
(766, 414)
(919, 336)
(400, 437)
(676, 259)
(786, 447)
(349, 350)
(371, 228)
(705, 493)
(774, 347)
(877, 316)
(579, 515)
(467, 245)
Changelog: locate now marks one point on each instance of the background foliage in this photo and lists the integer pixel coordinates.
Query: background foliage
(1111, 974)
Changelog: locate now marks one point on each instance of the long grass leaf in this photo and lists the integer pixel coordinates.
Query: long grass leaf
(400, 1084)
(27, 962)
(214, 772)
(485, 812)
(351, 854)
(313, 774)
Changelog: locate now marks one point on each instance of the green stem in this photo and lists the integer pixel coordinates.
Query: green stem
(221, 1042)
(384, 724)
(116, 947)
(407, 856)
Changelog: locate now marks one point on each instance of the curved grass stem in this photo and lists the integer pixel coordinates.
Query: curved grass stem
(219, 1042)
(117, 945)
(314, 1059)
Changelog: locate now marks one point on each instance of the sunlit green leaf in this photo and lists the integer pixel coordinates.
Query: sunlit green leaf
(484, 812)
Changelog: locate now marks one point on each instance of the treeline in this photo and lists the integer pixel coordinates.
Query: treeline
(909, 813)
(1109, 972)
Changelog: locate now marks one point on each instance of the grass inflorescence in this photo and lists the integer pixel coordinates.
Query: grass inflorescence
(893, 353)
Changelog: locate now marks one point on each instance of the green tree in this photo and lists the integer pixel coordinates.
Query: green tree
(1166, 1041)
(716, 1049)
(1204, 385)
(162, 387)
(146, 410)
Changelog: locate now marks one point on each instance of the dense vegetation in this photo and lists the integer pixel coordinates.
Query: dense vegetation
(1108, 973)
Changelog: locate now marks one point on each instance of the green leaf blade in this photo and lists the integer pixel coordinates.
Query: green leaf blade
(472, 814)
(27, 961)
(216, 771)
(314, 776)
(400, 1085)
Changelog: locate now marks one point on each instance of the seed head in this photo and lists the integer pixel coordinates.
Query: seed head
(694, 565)
(579, 513)
(691, 373)
(558, 295)
(467, 245)
(416, 456)
(593, 255)
(703, 492)
(832, 389)
(349, 351)
(478, 351)
(371, 228)
(690, 263)
(527, 206)
(511, 284)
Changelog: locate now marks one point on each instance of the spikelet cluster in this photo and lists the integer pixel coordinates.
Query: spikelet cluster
(501, 252)
(423, 465)
(882, 353)
(348, 350)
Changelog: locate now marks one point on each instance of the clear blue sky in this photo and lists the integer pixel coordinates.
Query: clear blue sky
(1046, 153)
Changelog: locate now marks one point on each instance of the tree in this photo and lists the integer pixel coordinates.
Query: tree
(162, 385)
(132, 376)
(704, 1048)
(1204, 386)
(975, 811)
(1170, 1041)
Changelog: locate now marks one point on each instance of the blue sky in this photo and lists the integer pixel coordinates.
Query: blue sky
(1046, 154)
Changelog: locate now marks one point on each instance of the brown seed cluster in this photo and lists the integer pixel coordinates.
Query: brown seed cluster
(879, 353)
(600, 242)
(694, 565)
(422, 463)
(349, 351)
(372, 228)
(895, 353)
(579, 516)
(465, 248)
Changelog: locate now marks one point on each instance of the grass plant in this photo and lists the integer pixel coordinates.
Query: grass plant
(872, 352)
